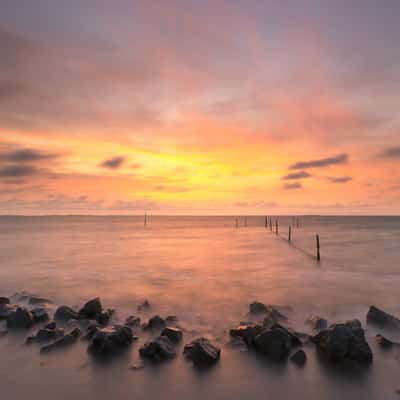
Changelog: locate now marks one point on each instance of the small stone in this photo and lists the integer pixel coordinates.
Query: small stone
(92, 309)
(64, 341)
(299, 358)
(246, 332)
(44, 334)
(202, 352)
(257, 308)
(381, 318)
(383, 342)
(144, 306)
(51, 325)
(173, 334)
(65, 313)
(158, 349)
(155, 322)
(20, 318)
(171, 320)
(40, 314)
(132, 321)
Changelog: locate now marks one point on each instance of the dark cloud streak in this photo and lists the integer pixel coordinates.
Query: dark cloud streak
(296, 175)
(321, 163)
(113, 163)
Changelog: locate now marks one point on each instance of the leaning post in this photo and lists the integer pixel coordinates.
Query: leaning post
(318, 248)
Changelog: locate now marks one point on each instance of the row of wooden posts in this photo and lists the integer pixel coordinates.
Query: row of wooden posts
(296, 223)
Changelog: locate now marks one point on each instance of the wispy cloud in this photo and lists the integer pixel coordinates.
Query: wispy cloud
(26, 155)
(339, 179)
(291, 186)
(296, 175)
(18, 171)
(113, 163)
(321, 163)
(391, 152)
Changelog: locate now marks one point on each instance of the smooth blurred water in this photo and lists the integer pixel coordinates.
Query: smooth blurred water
(205, 271)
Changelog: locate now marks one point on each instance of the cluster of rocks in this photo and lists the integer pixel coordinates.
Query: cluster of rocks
(270, 335)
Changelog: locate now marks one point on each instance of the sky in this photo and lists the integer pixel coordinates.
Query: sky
(200, 107)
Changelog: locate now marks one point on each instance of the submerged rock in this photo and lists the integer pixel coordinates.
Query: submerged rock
(65, 313)
(384, 342)
(6, 310)
(108, 341)
(132, 321)
(202, 352)
(33, 300)
(344, 342)
(299, 358)
(154, 323)
(246, 332)
(62, 342)
(45, 334)
(257, 308)
(158, 349)
(144, 306)
(104, 317)
(173, 334)
(317, 323)
(382, 318)
(4, 300)
(40, 314)
(171, 320)
(92, 309)
(275, 342)
(20, 318)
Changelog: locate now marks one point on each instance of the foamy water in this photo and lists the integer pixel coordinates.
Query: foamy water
(205, 271)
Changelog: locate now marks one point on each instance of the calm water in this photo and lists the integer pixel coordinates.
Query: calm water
(205, 271)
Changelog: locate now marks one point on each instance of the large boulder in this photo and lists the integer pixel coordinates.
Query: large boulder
(173, 334)
(159, 349)
(65, 313)
(276, 342)
(108, 341)
(20, 318)
(344, 342)
(246, 332)
(202, 352)
(92, 309)
(381, 318)
(144, 306)
(63, 341)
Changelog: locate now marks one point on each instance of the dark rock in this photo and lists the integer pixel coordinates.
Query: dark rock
(381, 318)
(44, 334)
(65, 313)
(20, 318)
(275, 343)
(33, 300)
(108, 341)
(257, 308)
(92, 309)
(62, 342)
(40, 314)
(317, 323)
(246, 332)
(6, 310)
(104, 317)
(51, 325)
(158, 349)
(173, 334)
(91, 330)
(299, 358)
(144, 306)
(171, 320)
(132, 321)
(384, 342)
(4, 300)
(202, 352)
(155, 322)
(344, 342)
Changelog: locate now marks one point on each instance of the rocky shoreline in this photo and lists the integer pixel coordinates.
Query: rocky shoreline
(270, 336)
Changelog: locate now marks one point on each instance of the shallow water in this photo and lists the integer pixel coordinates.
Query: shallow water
(205, 271)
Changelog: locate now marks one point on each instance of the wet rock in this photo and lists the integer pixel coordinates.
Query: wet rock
(65, 313)
(6, 310)
(34, 300)
(272, 317)
(171, 320)
(317, 323)
(257, 308)
(344, 342)
(246, 332)
(92, 309)
(173, 334)
(299, 358)
(275, 343)
(107, 341)
(4, 300)
(104, 317)
(158, 349)
(20, 318)
(51, 325)
(155, 323)
(202, 352)
(384, 342)
(132, 321)
(381, 318)
(40, 314)
(144, 306)
(45, 334)
(62, 342)
(91, 330)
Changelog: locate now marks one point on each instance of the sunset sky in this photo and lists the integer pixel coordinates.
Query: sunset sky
(200, 107)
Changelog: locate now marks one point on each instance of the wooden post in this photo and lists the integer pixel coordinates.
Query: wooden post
(270, 224)
(318, 253)
(145, 218)
(266, 222)
(290, 234)
(237, 224)
(276, 227)
(245, 221)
